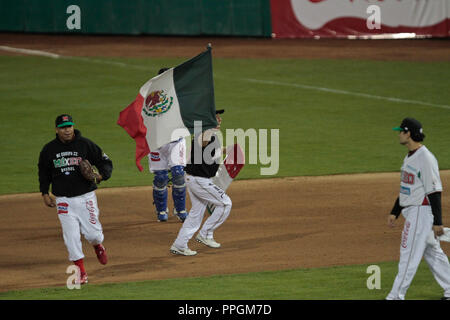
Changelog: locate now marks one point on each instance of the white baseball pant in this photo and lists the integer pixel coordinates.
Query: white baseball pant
(418, 241)
(169, 155)
(79, 214)
(203, 191)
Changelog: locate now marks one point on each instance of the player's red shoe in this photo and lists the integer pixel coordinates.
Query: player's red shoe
(83, 278)
(101, 254)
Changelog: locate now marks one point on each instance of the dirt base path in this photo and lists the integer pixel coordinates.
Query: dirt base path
(152, 46)
(274, 224)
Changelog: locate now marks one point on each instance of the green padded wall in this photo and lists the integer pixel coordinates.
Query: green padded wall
(163, 17)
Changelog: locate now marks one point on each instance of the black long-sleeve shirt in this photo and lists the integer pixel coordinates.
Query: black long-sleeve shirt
(206, 163)
(59, 166)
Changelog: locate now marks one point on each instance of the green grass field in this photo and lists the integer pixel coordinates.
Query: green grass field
(335, 283)
(321, 132)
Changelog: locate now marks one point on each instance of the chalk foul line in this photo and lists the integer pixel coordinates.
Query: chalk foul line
(277, 83)
(58, 56)
(30, 52)
(349, 93)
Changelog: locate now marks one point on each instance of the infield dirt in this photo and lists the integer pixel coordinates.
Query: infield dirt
(275, 224)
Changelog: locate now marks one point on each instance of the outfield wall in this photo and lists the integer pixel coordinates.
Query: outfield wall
(251, 18)
(168, 17)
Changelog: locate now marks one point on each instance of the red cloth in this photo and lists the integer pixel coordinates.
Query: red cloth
(234, 161)
(131, 120)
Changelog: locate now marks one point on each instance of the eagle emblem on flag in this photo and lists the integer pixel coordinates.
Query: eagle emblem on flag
(157, 103)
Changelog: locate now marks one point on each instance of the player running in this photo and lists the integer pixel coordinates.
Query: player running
(203, 191)
(420, 204)
(76, 202)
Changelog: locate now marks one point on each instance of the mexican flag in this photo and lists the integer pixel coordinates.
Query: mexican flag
(167, 105)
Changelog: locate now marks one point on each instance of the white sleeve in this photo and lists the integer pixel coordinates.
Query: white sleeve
(429, 174)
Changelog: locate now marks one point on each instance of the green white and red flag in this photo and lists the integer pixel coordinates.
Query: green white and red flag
(167, 105)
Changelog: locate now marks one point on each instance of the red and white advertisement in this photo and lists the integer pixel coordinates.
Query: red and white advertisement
(360, 18)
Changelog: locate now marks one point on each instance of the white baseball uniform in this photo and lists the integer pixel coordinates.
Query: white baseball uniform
(169, 155)
(419, 178)
(77, 214)
(201, 192)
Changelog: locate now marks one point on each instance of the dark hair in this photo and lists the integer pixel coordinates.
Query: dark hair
(414, 127)
(417, 137)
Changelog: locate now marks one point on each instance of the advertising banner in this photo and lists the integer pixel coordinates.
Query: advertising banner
(360, 18)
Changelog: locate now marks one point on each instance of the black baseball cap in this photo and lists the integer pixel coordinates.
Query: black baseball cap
(64, 120)
(412, 125)
(220, 111)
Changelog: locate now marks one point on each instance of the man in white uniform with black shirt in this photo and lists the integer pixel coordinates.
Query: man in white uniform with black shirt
(420, 203)
(203, 191)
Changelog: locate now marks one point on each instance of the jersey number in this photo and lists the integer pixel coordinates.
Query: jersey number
(407, 177)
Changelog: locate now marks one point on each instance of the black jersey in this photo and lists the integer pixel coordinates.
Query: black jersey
(59, 166)
(206, 164)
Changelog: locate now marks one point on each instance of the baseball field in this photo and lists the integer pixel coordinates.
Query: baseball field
(308, 232)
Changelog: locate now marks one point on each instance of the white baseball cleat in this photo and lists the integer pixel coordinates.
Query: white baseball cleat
(184, 252)
(207, 242)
